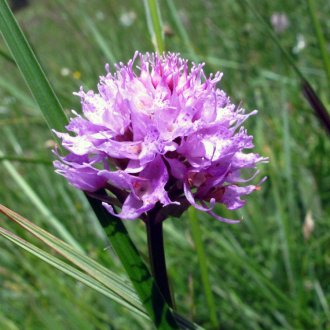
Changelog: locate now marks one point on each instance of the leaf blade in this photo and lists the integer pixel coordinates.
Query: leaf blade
(68, 270)
(31, 69)
(88, 265)
(114, 286)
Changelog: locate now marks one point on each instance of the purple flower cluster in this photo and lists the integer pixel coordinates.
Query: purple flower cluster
(159, 134)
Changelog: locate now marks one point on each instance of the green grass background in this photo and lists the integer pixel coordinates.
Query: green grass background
(264, 274)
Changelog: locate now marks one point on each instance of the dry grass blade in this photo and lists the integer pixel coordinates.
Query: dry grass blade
(69, 270)
(91, 267)
(117, 287)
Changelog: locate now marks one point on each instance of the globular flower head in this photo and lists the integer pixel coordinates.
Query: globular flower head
(159, 134)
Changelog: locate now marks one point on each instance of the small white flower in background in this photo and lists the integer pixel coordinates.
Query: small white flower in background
(280, 22)
(300, 44)
(309, 225)
(127, 18)
(65, 72)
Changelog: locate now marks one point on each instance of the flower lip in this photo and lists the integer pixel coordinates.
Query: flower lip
(162, 132)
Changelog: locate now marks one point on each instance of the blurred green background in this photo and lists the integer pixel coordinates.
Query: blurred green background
(271, 271)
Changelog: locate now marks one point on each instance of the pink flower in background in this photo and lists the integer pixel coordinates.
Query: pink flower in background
(280, 22)
(159, 134)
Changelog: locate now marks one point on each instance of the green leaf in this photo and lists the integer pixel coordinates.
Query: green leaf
(25, 159)
(102, 43)
(8, 86)
(182, 30)
(196, 234)
(155, 24)
(6, 56)
(91, 267)
(80, 21)
(71, 271)
(39, 204)
(98, 277)
(320, 38)
(31, 69)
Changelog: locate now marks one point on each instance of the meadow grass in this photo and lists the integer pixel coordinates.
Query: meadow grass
(264, 273)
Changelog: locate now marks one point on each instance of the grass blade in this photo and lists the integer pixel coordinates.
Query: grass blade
(273, 36)
(25, 159)
(155, 24)
(69, 270)
(196, 235)
(320, 38)
(6, 56)
(182, 30)
(91, 267)
(39, 204)
(17, 93)
(322, 298)
(319, 108)
(307, 89)
(99, 278)
(31, 69)
(100, 41)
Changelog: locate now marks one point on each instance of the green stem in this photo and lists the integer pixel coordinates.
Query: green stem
(320, 38)
(137, 271)
(25, 159)
(155, 24)
(196, 235)
(7, 57)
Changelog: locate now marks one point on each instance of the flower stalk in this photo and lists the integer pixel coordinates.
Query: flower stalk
(144, 284)
(157, 257)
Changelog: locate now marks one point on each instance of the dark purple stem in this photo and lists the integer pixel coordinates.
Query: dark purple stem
(317, 105)
(157, 257)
